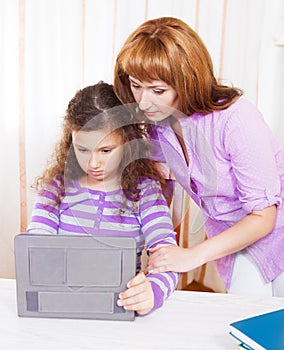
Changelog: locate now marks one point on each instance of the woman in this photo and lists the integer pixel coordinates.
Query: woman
(219, 149)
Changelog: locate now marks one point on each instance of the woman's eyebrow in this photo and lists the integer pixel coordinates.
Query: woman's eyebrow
(132, 81)
(149, 86)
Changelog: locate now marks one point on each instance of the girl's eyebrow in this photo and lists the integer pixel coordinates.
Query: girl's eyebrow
(107, 146)
(79, 145)
(98, 148)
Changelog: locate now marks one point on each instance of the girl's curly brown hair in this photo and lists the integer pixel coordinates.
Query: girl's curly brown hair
(97, 107)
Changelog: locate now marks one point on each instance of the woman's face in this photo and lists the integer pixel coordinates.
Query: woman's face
(99, 154)
(156, 99)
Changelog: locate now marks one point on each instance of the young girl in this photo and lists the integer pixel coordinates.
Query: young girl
(219, 149)
(101, 183)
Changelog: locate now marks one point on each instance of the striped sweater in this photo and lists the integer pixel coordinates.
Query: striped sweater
(86, 211)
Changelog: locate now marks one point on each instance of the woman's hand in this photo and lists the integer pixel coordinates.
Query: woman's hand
(139, 296)
(168, 257)
(245, 232)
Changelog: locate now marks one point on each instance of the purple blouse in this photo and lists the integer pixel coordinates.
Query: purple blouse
(235, 166)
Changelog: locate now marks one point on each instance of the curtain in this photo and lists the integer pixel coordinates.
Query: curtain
(52, 48)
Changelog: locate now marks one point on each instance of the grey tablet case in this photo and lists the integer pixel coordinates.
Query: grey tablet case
(76, 276)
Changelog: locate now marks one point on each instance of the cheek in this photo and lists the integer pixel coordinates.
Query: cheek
(115, 160)
(175, 101)
(136, 95)
(83, 161)
(169, 101)
(170, 104)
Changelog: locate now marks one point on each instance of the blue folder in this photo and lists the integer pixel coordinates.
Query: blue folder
(262, 332)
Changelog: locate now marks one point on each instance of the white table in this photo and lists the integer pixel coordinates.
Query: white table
(188, 320)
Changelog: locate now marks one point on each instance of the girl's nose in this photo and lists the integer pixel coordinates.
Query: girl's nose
(94, 162)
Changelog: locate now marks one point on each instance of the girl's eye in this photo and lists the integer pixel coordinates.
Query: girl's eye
(106, 150)
(82, 150)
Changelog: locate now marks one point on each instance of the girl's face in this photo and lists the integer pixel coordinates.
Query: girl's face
(99, 154)
(156, 99)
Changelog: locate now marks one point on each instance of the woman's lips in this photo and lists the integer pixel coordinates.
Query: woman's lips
(150, 113)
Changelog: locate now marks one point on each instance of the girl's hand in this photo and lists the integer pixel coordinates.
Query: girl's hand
(165, 258)
(139, 296)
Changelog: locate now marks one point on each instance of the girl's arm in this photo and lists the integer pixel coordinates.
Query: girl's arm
(138, 296)
(244, 233)
(146, 293)
(45, 215)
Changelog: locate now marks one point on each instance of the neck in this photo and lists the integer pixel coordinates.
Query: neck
(175, 124)
(105, 186)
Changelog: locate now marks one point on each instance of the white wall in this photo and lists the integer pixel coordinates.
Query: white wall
(51, 48)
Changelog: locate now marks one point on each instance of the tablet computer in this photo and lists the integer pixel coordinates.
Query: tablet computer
(73, 276)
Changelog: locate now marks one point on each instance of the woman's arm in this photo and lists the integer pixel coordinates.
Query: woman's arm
(252, 152)
(250, 229)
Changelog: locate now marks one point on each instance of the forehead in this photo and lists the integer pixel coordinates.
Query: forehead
(97, 138)
(147, 63)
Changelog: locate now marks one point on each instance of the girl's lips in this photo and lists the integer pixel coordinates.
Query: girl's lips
(96, 173)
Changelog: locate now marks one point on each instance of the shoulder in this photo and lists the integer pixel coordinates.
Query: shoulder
(146, 183)
(240, 107)
(58, 183)
(56, 186)
(58, 180)
(149, 188)
(242, 113)
(243, 104)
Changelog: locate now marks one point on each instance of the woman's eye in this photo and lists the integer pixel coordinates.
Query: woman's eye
(135, 86)
(159, 92)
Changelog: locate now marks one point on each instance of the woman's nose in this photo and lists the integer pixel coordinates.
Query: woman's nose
(145, 101)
